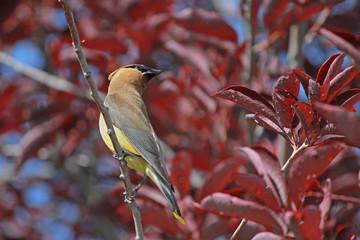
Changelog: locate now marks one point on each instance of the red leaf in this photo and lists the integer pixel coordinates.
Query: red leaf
(304, 79)
(347, 99)
(344, 42)
(180, 172)
(264, 122)
(308, 165)
(314, 90)
(283, 102)
(222, 203)
(248, 99)
(343, 120)
(205, 22)
(263, 167)
(256, 187)
(323, 72)
(305, 114)
(41, 135)
(347, 233)
(223, 171)
(273, 168)
(309, 223)
(288, 83)
(267, 236)
(340, 81)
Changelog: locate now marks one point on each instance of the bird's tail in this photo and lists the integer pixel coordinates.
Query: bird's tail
(166, 189)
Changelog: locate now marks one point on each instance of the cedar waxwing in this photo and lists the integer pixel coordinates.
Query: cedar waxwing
(133, 128)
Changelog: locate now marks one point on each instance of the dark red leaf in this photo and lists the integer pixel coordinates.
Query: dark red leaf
(273, 168)
(180, 172)
(347, 99)
(305, 114)
(327, 72)
(267, 236)
(324, 69)
(264, 122)
(288, 83)
(343, 43)
(256, 187)
(223, 171)
(261, 166)
(347, 233)
(345, 215)
(205, 22)
(340, 81)
(308, 165)
(248, 99)
(283, 102)
(309, 221)
(343, 120)
(304, 79)
(334, 68)
(222, 203)
(41, 135)
(346, 184)
(314, 90)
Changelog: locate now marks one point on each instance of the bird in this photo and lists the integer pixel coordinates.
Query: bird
(133, 129)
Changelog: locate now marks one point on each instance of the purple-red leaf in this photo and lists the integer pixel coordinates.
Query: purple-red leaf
(223, 171)
(304, 79)
(309, 223)
(283, 102)
(314, 90)
(346, 122)
(248, 99)
(340, 81)
(305, 114)
(256, 187)
(273, 168)
(264, 122)
(323, 73)
(267, 236)
(288, 83)
(345, 41)
(226, 204)
(263, 167)
(347, 99)
(308, 165)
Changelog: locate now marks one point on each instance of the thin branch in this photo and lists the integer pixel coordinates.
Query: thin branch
(291, 158)
(104, 110)
(43, 77)
(243, 222)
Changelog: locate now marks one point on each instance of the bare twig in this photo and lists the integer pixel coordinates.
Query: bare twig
(291, 158)
(234, 236)
(104, 110)
(42, 76)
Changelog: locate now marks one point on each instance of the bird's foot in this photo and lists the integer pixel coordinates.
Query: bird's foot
(146, 178)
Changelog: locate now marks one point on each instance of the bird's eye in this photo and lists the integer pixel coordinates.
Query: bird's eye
(141, 68)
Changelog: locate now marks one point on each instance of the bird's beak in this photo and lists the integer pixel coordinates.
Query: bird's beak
(151, 72)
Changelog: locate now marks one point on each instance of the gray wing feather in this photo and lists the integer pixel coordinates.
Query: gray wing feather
(146, 144)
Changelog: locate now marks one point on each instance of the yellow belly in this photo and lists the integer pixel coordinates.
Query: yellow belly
(136, 163)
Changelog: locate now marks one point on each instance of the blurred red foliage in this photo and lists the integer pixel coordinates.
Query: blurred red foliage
(218, 180)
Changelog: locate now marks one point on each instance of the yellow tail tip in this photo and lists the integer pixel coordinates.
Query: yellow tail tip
(178, 217)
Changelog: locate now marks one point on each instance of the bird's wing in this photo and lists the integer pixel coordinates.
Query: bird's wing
(133, 122)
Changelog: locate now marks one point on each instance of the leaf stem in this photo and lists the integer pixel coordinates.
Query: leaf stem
(291, 158)
(243, 222)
